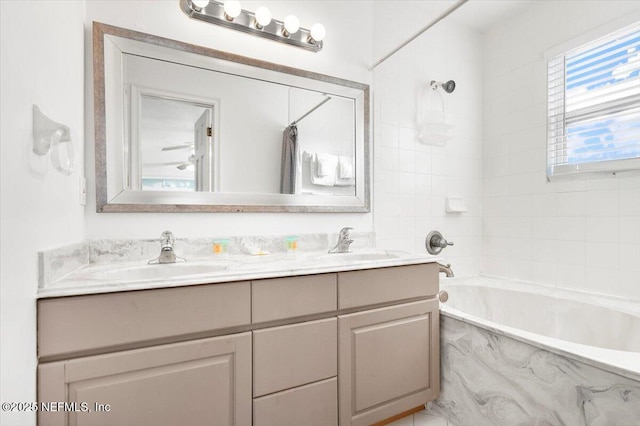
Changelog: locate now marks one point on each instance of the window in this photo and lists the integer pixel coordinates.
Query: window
(593, 122)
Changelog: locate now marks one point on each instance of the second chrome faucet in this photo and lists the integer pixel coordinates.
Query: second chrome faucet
(342, 246)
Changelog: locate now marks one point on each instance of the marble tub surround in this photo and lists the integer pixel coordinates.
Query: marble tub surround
(592, 329)
(491, 379)
(121, 265)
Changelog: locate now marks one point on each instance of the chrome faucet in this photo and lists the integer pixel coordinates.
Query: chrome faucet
(343, 242)
(167, 255)
(446, 269)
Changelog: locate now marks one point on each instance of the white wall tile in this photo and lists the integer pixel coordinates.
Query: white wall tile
(527, 228)
(604, 255)
(571, 277)
(407, 138)
(603, 229)
(543, 273)
(544, 227)
(571, 253)
(601, 203)
(629, 229)
(520, 270)
(581, 230)
(389, 135)
(544, 251)
(571, 228)
(388, 158)
(406, 161)
(629, 202)
(406, 183)
(598, 277)
(571, 204)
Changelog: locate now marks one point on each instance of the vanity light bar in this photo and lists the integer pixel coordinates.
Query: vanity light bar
(214, 13)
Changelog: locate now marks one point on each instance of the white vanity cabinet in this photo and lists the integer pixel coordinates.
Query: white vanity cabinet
(389, 361)
(345, 348)
(389, 356)
(201, 382)
(145, 379)
(295, 366)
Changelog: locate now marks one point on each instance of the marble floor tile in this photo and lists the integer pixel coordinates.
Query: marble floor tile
(421, 418)
(405, 421)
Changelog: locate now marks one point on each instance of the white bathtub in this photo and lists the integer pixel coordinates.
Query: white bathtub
(601, 331)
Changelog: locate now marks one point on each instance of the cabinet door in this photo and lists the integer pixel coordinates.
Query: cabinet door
(310, 405)
(388, 361)
(201, 382)
(294, 355)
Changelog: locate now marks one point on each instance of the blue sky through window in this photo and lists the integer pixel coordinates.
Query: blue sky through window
(597, 75)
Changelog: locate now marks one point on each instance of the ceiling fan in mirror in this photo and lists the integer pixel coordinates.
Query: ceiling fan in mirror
(185, 145)
(180, 165)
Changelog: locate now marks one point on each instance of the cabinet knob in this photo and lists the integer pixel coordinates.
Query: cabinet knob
(443, 296)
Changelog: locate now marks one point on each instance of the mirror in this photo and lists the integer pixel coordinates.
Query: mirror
(185, 128)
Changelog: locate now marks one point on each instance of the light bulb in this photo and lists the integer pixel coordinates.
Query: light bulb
(200, 3)
(263, 17)
(318, 32)
(232, 9)
(291, 25)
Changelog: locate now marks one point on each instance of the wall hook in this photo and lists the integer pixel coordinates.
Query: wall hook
(47, 136)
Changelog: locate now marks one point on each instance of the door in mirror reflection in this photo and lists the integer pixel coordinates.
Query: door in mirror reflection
(175, 145)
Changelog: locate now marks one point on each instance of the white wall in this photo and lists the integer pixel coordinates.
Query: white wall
(582, 235)
(347, 54)
(41, 48)
(411, 180)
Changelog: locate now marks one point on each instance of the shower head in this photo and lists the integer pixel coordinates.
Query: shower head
(447, 86)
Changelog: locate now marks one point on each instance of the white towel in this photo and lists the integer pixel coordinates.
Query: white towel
(327, 164)
(323, 169)
(345, 167)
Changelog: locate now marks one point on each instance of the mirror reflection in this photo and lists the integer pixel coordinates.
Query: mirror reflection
(194, 129)
(183, 127)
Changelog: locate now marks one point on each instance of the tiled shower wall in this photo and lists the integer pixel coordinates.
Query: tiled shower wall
(411, 180)
(582, 234)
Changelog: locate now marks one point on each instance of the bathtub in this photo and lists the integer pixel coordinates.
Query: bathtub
(515, 353)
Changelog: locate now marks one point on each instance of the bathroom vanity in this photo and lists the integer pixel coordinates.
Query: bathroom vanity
(347, 345)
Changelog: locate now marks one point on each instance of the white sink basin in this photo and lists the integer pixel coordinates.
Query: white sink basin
(213, 269)
(154, 272)
(357, 256)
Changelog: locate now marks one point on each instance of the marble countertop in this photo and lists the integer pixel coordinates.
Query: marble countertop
(137, 275)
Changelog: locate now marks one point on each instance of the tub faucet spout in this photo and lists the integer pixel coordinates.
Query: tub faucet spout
(446, 269)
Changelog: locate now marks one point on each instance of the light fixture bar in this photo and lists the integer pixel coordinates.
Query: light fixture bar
(246, 22)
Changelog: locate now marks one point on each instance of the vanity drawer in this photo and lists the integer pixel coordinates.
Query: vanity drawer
(373, 286)
(79, 324)
(294, 355)
(311, 405)
(280, 298)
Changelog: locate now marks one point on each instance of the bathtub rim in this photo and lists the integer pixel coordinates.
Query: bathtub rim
(623, 363)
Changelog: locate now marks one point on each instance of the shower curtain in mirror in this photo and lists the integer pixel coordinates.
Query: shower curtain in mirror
(289, 160)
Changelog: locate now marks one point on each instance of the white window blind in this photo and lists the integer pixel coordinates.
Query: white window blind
(593, 121)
